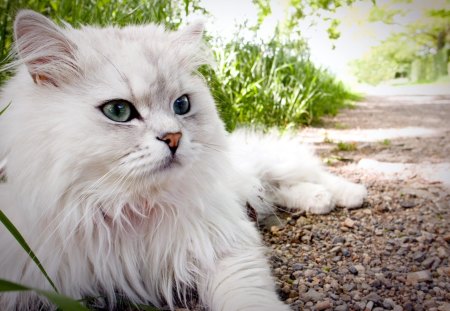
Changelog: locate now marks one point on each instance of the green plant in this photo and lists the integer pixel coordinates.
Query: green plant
(343, 146)
(272, 84)
(386, 142)
(327, 140)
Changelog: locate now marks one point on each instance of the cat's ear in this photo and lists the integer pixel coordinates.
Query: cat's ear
(44, 49)
(192, 33)
(193, 51)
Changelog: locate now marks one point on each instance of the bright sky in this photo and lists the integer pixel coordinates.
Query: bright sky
(357, 35)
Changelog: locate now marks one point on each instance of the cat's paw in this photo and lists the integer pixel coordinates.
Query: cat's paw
(318, 200)
(350, 195)
(309, 197)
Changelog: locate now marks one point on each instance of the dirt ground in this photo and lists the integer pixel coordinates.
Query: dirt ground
(393, 253)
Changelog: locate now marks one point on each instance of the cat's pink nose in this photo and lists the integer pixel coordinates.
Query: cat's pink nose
(172, 140)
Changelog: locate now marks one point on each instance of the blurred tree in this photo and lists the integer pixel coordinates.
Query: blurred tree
(298, 10)
(419, 50)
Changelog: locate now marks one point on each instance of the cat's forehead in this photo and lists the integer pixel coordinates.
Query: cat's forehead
(143, 58)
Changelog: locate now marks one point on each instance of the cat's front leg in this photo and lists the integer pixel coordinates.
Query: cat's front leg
(241, 281)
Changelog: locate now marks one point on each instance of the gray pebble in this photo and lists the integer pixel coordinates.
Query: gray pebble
(342, 307)
(372, 297)
(338, 240)
(345, 252)
(408, 204)
(369, 306)
(388, 303)
(314, 295)
(353, 270)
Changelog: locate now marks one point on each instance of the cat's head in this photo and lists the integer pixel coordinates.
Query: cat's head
(90, 103)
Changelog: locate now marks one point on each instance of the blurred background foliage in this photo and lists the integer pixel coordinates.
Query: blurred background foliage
(266, 83)
(419, 52)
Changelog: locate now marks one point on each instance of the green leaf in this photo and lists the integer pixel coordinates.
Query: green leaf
(63, 302)
(19, 238)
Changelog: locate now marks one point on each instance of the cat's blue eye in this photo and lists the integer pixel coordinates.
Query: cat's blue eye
(181, 105)
(119, 110)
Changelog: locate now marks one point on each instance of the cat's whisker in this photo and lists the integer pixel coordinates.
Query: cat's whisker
(219, 147)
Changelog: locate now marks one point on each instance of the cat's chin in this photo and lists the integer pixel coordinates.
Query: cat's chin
(169, 163)
(165, 169)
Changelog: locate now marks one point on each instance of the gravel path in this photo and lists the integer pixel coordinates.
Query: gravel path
(393, 253)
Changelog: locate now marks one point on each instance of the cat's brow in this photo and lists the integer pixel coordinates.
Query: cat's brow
(121, 74)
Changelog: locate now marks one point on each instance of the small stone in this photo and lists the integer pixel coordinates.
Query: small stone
(335, 249)
(443, 271)
(377, 284)
(338, 240)
(388, 303)
(349, 223)
(442, 252)
(428, 304)
(314, 295)
(360, 269)
(408, 204)
(369, 306)
(378, 309)
(272, 221)
(419, 256)
(342, 307)
(297, 266)
(274, 229)
(359, 305)
(374, 297)
(310, 273)
(353, 270)
(336, 258)
(444, 307)
(333, 296)
(348, 287)
(398, 308)
(428, 262)
(419, 276)
(346, 297)
(345, 252)
(356, 295)
(447, 238)
(322, 305)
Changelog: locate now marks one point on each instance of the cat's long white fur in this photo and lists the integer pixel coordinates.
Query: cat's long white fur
(87, 193)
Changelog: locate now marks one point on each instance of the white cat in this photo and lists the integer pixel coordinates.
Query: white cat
(121, 179)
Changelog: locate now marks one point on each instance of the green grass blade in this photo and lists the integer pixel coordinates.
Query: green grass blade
(64, 303)
(19, 238)
(7, 286)
(147, 308)
(4, 109)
